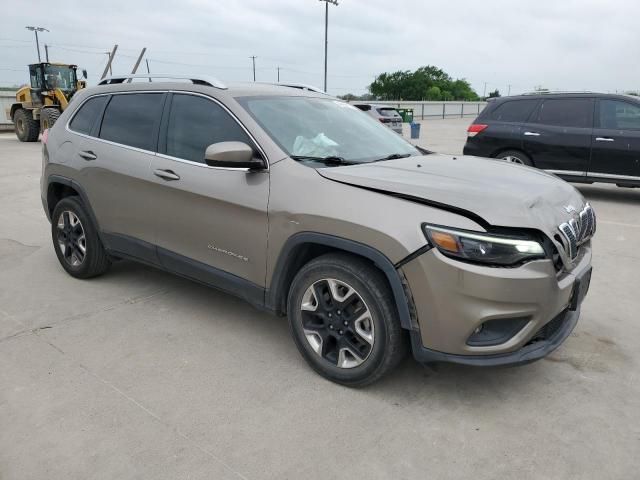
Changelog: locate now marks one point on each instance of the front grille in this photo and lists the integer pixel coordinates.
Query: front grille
(577, 231)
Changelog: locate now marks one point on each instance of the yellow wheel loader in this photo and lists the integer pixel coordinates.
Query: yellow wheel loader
(39, 105)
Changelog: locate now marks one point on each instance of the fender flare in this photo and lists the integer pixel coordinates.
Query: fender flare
(278, 287)
(83, 196)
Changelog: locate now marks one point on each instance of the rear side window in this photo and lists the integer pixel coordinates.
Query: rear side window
(132, 119)
(619, 115)
(364, 108)
(568, 112)
(87, 114)
(387, 112)
(195, 123)
(514, 110)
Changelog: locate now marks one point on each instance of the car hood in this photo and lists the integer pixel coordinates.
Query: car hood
(500, 193)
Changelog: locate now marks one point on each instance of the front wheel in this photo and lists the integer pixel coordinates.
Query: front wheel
(48, 117)
(344, 320)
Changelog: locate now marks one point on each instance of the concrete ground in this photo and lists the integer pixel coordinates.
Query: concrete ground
(140, 374)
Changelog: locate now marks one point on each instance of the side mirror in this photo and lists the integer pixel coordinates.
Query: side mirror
(84, 74)
(232, 155)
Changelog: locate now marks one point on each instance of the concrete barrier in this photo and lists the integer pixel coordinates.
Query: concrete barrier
(7, 97)
(423, 110)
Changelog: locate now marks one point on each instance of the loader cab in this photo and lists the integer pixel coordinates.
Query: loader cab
(50, 76)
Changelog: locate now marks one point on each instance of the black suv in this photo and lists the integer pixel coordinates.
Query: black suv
(581, 137)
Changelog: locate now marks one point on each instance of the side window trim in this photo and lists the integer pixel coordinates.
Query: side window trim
(97, 123)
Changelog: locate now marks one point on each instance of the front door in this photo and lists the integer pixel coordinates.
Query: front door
(616, 141)
(211, 222)
(558, 137)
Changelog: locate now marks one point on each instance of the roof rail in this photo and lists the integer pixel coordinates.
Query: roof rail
(556, 92)
(196, 79)
(300, 86)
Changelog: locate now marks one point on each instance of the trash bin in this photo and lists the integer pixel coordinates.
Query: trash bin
(415, 130)
(406, 114)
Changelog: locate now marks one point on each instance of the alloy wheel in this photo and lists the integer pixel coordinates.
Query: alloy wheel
(337, 323)
(71, 238)
(512, 159)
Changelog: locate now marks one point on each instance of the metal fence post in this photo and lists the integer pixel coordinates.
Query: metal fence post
(478, 109)
(444, 105)
(422, 115)
(461, 110)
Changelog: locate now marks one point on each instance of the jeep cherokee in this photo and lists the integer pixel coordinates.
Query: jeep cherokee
(307, 207)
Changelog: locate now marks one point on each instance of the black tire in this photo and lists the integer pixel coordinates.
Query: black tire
(27, 129)
(48, 117)
(389, 344)
(515, 156)
(95, 260)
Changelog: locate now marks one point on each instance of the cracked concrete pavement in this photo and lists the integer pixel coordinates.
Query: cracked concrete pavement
(140, 374)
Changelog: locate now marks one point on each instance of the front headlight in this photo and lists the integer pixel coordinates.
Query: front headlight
(482, 247)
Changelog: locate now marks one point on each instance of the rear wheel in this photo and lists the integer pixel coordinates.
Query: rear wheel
(48, 116)
(515, 156)
(75, 240)
(344, 321)
(27, 128)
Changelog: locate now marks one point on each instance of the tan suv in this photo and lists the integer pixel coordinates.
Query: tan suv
(307, 207)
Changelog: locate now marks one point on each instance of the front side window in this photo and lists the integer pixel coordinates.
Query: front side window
(619, 115)
(61, 77)
(325, 127)
(569, 112)
(132, 119)
(195, 123)
(514, 111)
(86, 116)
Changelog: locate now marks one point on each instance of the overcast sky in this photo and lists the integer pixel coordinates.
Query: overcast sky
(568, 45)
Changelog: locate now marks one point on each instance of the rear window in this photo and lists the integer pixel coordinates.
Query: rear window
(619, 115)
(132, 119)
(568, 112)
(514, 110)
(388, 112)
(87, 114)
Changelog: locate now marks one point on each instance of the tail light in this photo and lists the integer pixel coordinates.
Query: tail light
(45, 136)
(475, 129)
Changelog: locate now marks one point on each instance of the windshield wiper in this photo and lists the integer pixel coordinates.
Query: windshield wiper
(393, 156)
(329, 160)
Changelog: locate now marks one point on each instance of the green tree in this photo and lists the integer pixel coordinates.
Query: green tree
(494, 94)
(426, 82)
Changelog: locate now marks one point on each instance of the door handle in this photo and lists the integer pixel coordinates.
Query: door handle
(166, 174)
(88, 155)
(531, 134)
(604, 139)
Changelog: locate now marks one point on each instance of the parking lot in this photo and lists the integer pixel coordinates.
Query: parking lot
(141, 374)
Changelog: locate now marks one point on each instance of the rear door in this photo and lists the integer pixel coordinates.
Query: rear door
(116, 173)
(558, 136)
(616, 140)
(210, 221)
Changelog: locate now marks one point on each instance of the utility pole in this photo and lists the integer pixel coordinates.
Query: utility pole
(326, 35)
(509, 94)
(46, 52)
(36, 30)
(253, 59)
(278, 74)
(135, 67)
(107, 68)
(484, 92)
